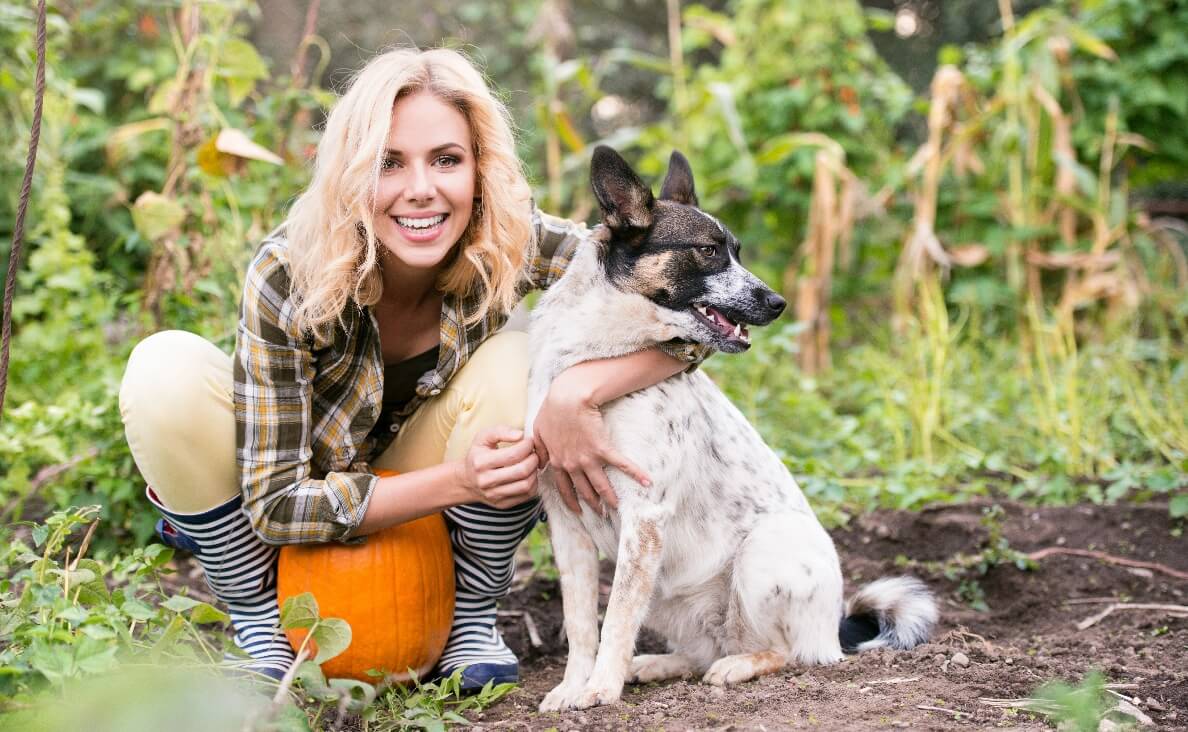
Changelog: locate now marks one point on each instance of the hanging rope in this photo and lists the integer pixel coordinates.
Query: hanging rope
(18, 231)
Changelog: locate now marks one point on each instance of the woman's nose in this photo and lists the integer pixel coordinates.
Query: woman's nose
(420, 183)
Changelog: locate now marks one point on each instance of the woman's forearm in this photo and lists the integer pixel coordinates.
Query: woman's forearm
(595, 383)
(408, 496)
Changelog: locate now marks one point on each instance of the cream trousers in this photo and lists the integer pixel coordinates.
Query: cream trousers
(179, 418)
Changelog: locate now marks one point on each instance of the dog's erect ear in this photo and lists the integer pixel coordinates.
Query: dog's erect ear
(678, 184)
(625, 201)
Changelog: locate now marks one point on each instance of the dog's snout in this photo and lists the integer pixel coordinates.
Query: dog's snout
(775, 304)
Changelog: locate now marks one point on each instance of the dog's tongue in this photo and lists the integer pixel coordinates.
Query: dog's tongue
(726, 325)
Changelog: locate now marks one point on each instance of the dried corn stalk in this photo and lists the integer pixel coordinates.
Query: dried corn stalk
(922, 250)
(809, 280)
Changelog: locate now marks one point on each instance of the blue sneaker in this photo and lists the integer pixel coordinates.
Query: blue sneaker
(477, 675)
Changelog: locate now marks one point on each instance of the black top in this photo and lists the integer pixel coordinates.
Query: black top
(400, 385)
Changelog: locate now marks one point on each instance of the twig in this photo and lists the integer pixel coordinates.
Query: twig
(287, 680)
(903, 680)
(1089, 600)
(954, 712)
(529, 624)
(1109, 558)
(533, 635)
(18, 229)
(86, 544)
(1175, 610)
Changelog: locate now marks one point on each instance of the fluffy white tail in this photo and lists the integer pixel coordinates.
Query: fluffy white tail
(893, 612)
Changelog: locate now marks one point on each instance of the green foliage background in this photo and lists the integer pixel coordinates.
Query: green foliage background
(978, 394)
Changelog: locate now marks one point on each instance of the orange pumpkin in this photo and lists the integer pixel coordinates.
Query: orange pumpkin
(396, 590)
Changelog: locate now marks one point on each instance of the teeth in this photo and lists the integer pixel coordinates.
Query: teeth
(420, 223)
(702, 309)
(737, 329)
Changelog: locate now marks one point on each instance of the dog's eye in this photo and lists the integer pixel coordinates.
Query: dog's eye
(709, 251)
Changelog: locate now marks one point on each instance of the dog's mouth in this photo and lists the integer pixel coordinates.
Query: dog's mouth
(734, 333)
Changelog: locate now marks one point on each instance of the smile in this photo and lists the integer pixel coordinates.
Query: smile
(420, 223)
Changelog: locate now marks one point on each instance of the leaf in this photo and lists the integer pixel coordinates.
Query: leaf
(239, 59)
(95, 591)
(1086, 41)
(361, 693)
(299, 611)
(180, 603)
(1178, 506)
(155, 215)
(40, 533)
(333, 636)
(137, 610)
(95, 656)
(205, 613)
(235, 142)
(313, 682)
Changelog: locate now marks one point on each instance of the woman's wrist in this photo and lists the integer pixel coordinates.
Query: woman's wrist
(577, 386)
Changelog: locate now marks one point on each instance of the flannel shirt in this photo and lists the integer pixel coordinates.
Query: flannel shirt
(305, 406)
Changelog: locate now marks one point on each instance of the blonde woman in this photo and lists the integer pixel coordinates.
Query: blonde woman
(369, 338)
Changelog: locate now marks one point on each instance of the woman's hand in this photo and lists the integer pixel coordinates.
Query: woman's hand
(500, 477)
(571, 437)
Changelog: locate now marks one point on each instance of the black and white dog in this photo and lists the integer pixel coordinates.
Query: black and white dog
(722, 555)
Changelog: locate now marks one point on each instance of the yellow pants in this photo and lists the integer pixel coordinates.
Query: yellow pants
(179, 418)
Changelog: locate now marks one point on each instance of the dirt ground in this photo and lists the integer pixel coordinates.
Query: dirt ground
(1027, 636)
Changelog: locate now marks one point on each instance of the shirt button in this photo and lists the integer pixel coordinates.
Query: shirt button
(434, 392)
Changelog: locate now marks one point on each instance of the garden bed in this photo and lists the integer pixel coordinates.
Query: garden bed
(1027, 635)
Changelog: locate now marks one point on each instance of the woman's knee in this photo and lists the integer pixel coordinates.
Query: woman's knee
(172, 377)
(495, 379)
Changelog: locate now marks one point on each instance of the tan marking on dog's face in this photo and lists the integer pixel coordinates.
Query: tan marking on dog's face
(650, 274)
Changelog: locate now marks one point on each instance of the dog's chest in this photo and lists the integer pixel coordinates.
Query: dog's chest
(712, 476)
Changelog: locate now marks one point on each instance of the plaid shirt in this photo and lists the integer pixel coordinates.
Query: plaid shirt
(305, 406)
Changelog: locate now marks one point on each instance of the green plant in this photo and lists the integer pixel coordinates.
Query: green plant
(433, 705)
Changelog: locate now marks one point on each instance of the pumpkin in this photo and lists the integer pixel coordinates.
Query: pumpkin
(396, 590)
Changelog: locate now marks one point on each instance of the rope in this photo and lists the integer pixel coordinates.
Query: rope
(18, 231)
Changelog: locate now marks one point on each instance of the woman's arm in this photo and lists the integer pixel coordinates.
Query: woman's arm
(569, 431)
(497, 476)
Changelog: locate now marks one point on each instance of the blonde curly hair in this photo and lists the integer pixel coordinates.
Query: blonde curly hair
(334, 253)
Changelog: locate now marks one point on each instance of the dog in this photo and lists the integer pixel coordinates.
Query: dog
(722, 555)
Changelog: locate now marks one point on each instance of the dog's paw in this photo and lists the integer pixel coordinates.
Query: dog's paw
(595, 696)
(658, 667)
(562, 697)
(732, 670)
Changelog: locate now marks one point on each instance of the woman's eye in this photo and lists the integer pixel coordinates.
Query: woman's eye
(388, 164)
(709, 251)
(447, 161)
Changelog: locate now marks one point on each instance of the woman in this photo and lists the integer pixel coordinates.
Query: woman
(368, 339)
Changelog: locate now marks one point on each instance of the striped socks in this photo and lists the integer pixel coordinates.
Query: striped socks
(484, 541)
(241, 572)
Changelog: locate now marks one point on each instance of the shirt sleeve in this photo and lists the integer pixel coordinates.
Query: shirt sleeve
(273, 378)
(556, 242)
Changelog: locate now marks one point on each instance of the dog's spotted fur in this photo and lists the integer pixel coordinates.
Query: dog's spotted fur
(722, 555)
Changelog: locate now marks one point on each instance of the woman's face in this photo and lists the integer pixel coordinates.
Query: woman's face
(425, 193)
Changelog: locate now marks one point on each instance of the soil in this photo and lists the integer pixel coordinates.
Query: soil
(1028, 634)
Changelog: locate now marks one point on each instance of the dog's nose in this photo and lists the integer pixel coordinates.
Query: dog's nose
(775, 304)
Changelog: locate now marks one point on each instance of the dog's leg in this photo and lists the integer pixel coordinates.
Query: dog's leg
(640, 548)
(744, 667)
(658, 667)
(577, 563)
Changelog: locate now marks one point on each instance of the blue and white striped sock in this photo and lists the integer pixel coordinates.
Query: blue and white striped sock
(484, 541)
(241, 572)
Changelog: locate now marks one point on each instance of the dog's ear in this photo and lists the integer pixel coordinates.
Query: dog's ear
(625, 201)
(678, 184)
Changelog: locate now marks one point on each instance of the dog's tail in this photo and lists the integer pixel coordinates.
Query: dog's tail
(893, 612)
